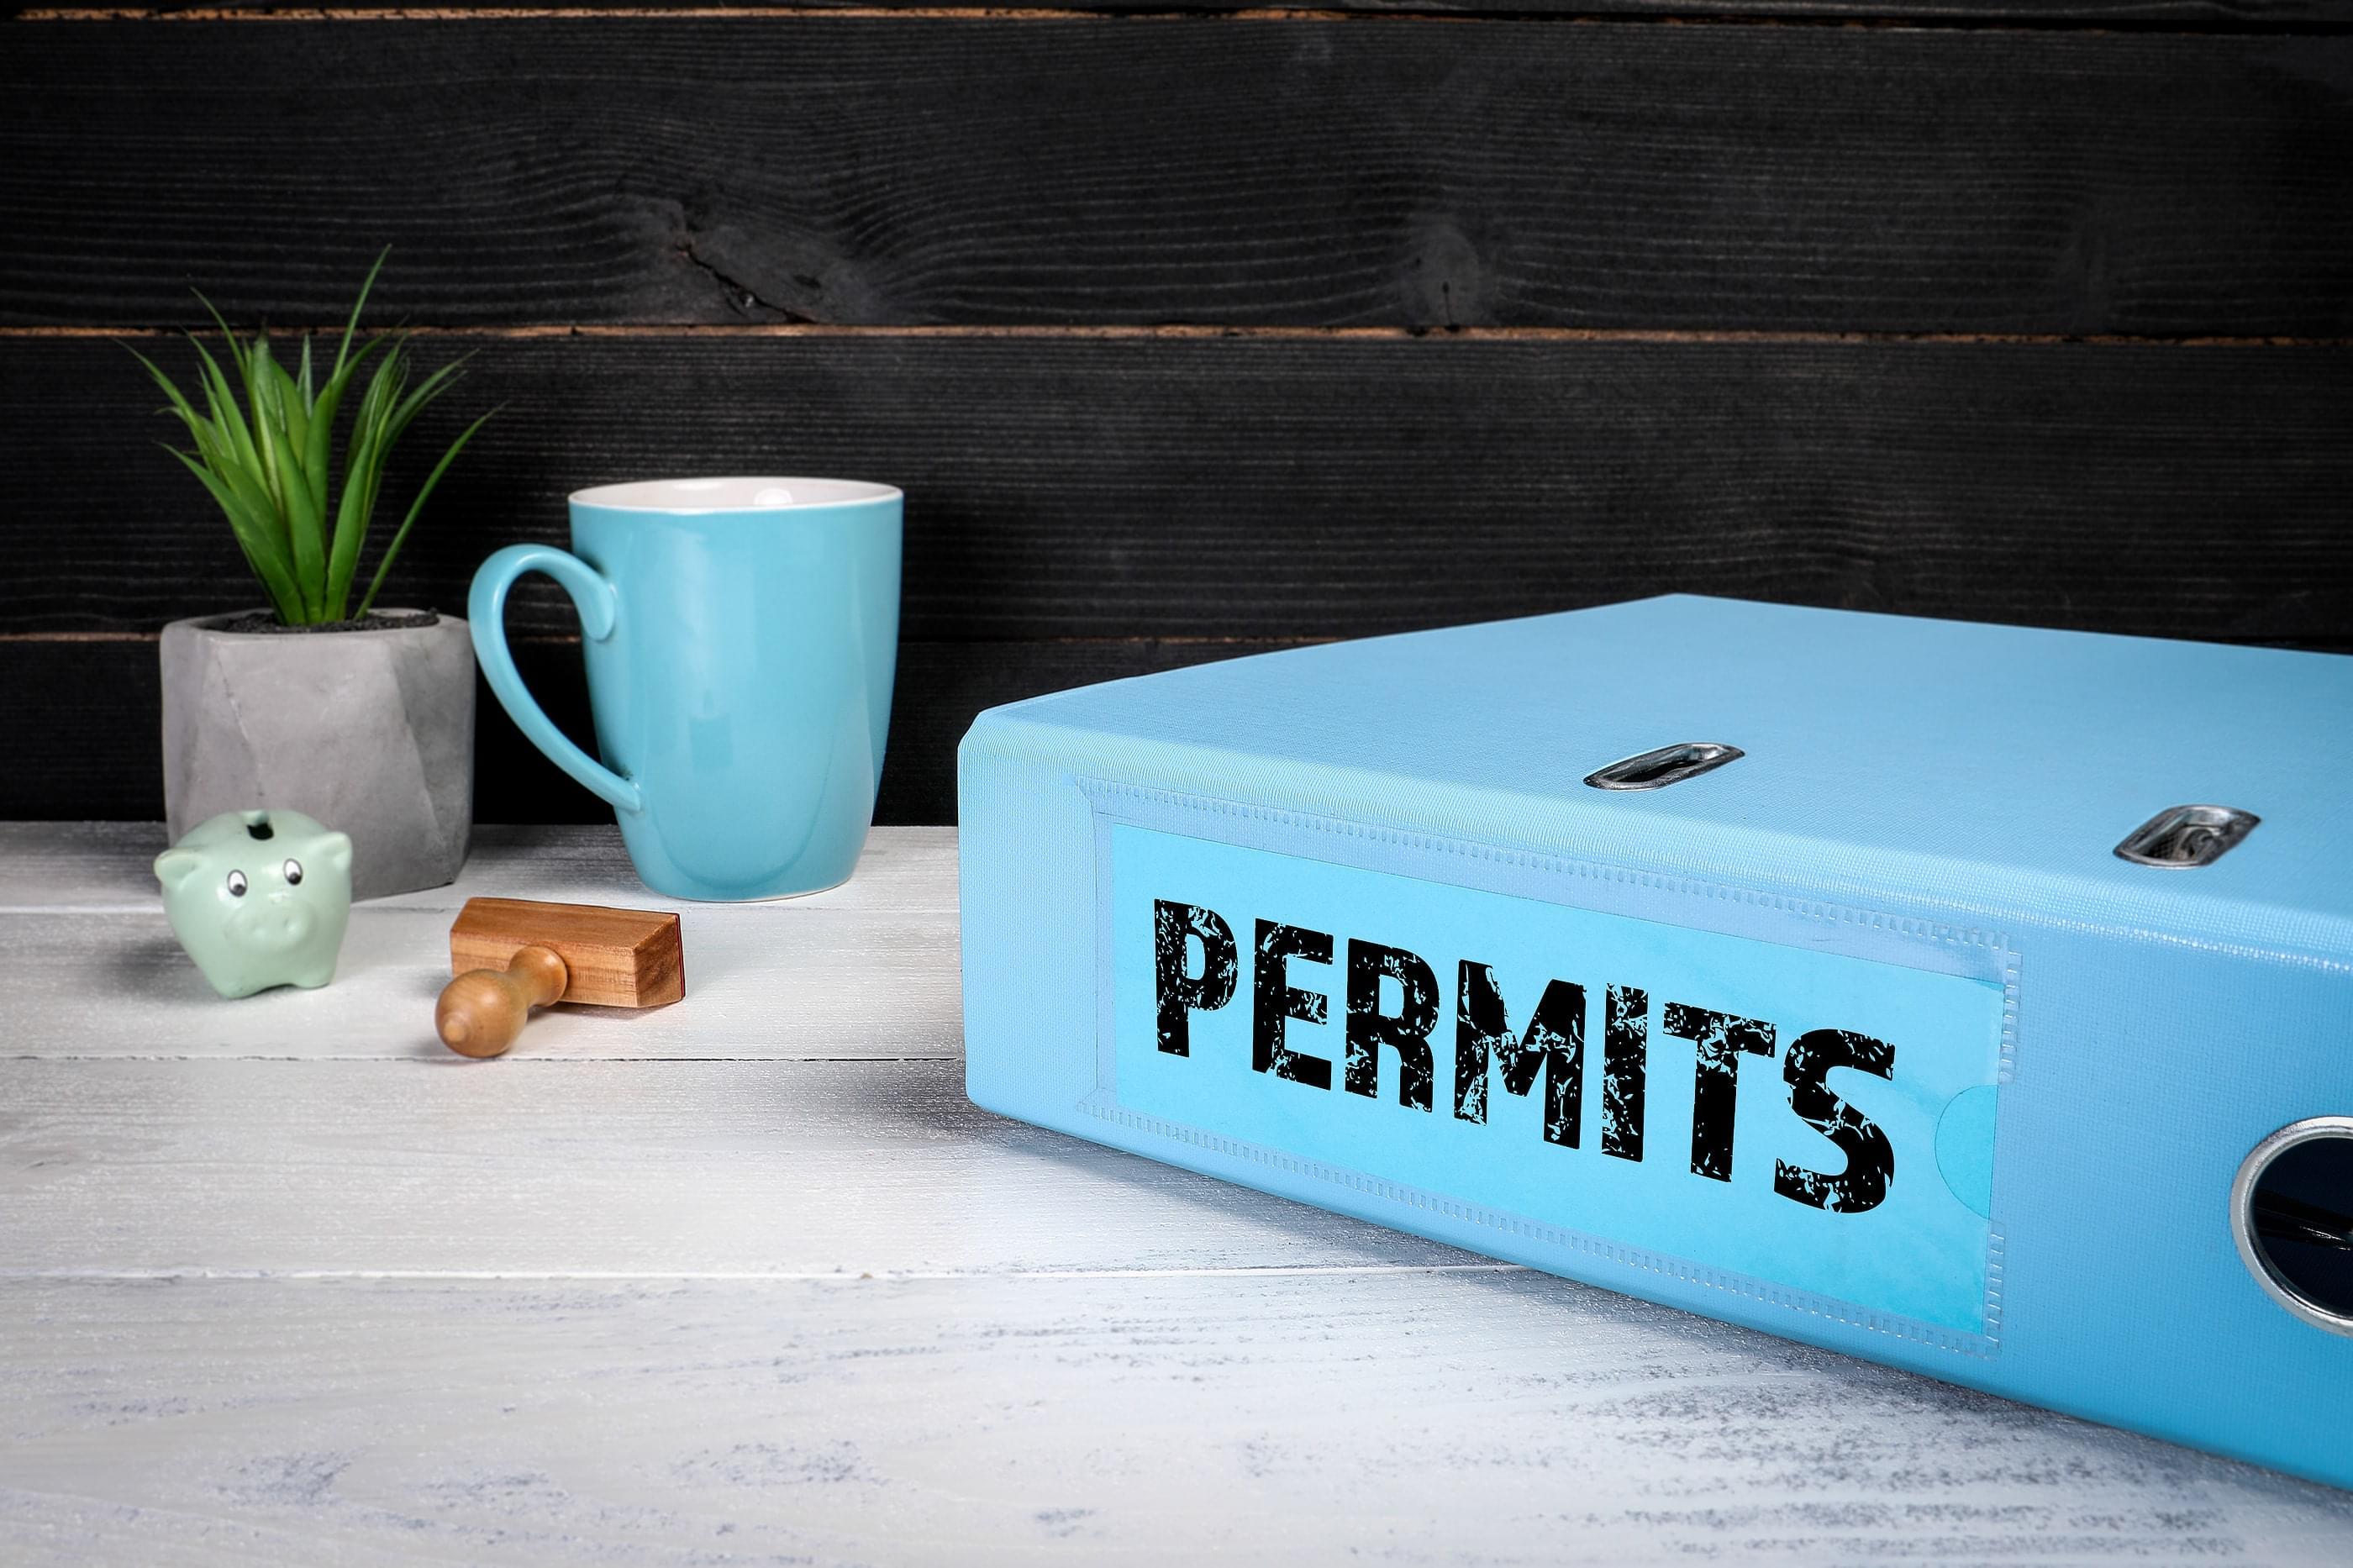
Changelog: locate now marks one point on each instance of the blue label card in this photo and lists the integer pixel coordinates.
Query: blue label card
(1759, 1114)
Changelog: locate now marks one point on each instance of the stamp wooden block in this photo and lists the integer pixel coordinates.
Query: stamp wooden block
(511, 955)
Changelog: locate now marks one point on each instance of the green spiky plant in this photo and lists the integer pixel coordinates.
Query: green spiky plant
(267, 460)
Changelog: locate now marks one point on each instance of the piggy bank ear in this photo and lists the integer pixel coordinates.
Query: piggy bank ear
(174, 867)
(336, 850)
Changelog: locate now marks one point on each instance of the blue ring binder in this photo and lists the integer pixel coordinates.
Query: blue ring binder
(1874, 1037)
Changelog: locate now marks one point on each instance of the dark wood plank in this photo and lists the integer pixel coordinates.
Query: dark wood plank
(85, 722)
(1284, 485)
(867, 170)
(2204, 13)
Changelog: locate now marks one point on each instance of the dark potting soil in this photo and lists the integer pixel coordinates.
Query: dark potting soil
(375, 621)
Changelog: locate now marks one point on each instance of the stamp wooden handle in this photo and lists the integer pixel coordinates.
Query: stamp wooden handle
(482, 1011)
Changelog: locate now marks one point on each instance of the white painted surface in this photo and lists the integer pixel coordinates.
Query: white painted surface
(864, 970)
(282, 1282)
(641, 1168)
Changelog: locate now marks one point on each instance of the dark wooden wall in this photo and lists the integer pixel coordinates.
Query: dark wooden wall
(1196, 331)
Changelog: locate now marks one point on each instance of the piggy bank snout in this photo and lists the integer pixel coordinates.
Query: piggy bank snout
(275, 920)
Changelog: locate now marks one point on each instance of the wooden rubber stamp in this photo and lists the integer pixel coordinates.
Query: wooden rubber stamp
(511, 955)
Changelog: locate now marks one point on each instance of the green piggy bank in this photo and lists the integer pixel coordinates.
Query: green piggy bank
(259, 899)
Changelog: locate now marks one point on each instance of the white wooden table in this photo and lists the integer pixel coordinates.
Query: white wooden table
(747, 1280)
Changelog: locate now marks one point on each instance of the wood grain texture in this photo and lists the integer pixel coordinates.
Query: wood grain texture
(864, 971)
(2200, 15)
(531, 1165)
(85, 724)
(1474, 1418)
(1284, 486)
(876, 169)
(613, 957)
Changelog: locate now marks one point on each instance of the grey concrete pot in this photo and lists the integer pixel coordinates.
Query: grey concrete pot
(369, 731)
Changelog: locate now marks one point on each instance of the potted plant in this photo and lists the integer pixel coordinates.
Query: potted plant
(359, 716)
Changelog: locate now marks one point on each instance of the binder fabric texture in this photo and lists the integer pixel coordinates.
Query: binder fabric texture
(1787, 966)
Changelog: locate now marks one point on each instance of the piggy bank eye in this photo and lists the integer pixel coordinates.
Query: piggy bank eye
(236, 884)
(293, 873)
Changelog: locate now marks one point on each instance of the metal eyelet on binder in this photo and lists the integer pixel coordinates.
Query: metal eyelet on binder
(2182, 836)
(1666, 765)
(2289, 1215)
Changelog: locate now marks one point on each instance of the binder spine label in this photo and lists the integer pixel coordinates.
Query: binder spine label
(1738, 1089)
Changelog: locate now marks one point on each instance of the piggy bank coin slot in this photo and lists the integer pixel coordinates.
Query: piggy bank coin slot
(2182, 836)
(1666, 765)
(2292, 1212)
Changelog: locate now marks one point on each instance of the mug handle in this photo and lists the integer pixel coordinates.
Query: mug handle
(486, 609)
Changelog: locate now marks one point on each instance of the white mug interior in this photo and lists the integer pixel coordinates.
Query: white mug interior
(730, 494)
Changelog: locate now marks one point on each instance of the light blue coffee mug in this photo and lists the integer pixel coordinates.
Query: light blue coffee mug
(740, 635)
